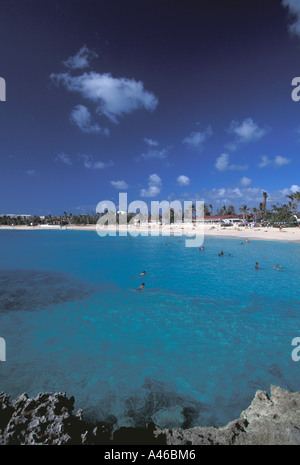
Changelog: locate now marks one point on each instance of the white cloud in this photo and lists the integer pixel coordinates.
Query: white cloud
(183, 180)
(222, 194)
(290, 190)
(153, 152)
(245, 132)
(278, 161)
(163, 153)
(31, 172)
(82, 118)
(151, 142)
(245, 182)
(281, 161)
(280, 195)
(114, 97)
(89, 163)
(81, 60)
(154, 186)
(196, 139)
(120, 185)
(265, 161)
(295, 188)
(294, 11)
(65, 158)
(222, 164)
(251, 196)
(286, 191)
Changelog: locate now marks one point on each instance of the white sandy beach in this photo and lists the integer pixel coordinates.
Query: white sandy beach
(259, 233)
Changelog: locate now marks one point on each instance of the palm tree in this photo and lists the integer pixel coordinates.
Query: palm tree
(230, 210)
(291, 197)
(243, 210)
(211, 209)
(255, 211)
(297, 200)
(222, 210)
(206, 210)
(265, 194)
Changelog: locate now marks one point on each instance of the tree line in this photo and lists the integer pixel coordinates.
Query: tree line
(276, 215)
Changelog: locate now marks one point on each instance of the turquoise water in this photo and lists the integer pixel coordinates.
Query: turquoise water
(191, 348)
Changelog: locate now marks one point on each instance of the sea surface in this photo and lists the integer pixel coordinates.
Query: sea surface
(190, 349)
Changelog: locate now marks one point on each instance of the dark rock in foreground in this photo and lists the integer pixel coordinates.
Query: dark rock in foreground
(48, 419)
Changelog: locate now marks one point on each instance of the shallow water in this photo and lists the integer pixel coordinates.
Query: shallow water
(191, 348)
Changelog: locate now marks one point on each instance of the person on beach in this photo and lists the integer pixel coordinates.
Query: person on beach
(256, 265)
(141, 287)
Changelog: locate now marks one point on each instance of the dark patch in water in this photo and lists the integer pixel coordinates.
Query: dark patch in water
(153, 402)
(36, 289)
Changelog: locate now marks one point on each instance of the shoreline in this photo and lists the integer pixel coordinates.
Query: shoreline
(48, 419)
(269, 233)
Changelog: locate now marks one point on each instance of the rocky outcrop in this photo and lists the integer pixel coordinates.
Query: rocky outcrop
(49, 419)
(45, 419)
(273, 420)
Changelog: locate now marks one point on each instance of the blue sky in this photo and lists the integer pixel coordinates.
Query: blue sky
(164, 100)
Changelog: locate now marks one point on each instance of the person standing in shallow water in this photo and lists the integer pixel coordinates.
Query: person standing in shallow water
(256, 266)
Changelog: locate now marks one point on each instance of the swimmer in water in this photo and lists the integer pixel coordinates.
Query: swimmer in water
(141, 287)
(142, 274)
(256, 265)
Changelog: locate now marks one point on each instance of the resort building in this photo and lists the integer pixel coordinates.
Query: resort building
(223, 219)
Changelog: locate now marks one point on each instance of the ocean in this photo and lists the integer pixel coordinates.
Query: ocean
(190, 349)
